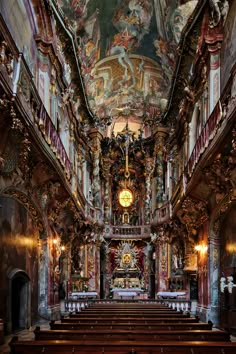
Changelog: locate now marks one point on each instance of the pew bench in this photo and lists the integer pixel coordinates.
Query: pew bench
(128, 316)
(135, 335)
(121, 347)
(130, 321)
(166, 310)
(142, 326)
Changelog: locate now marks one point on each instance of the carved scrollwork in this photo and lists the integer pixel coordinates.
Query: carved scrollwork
(218, 176)
(193, 214)
(224, 206)
(4, 102)
(221, 174)
(6, 57)
(167, 232)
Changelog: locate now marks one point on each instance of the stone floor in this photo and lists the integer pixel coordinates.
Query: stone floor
(28, 334)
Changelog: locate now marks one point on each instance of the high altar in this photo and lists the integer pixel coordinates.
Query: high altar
(127, 279)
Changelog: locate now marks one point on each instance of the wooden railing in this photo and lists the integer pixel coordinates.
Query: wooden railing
(207, 134)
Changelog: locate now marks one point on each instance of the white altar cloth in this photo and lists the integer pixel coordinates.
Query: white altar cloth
(83, 294)
(173, 294)
(127, 293)
(137, 290)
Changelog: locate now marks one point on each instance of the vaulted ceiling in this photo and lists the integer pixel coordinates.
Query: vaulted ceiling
(126, 49)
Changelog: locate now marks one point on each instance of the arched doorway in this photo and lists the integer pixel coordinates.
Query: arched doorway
(19, 300)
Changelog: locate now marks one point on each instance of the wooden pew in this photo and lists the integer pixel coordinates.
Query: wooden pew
(121, 347)
(138, 304)
(129, 308)
(129, 320)
(141, 326)
(128, 315)
(143, 335)
(132, 309)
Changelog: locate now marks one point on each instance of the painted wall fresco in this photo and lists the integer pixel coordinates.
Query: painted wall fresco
(126, 50)
(22, 27)
(228, 52)
(18, 249)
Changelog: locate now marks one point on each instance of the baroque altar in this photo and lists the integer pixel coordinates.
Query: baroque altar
(127, 279)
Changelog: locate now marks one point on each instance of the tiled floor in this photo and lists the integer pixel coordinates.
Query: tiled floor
(26, 334)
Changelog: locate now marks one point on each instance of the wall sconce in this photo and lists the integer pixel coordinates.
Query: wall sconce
(230, 285)
(57, 247)
(57, 251)
(201, 248)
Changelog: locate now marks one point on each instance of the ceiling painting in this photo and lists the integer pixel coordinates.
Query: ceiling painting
(127, 53)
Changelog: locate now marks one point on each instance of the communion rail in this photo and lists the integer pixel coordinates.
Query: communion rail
(73, 305)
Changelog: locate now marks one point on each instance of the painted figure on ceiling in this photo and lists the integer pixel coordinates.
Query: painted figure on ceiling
(121, 45)
(80, 10)
(132, 20)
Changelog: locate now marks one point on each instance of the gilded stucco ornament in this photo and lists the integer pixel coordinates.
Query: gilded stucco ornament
(221, 174)
(193, 213)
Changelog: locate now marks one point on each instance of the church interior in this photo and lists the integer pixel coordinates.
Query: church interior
(117, 158)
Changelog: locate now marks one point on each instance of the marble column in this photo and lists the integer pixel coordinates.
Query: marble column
(160, 136)
(160, 242)
(214, 259)
(94, 264)
(96, 137)
(43, 277)
(149, 168)
(106, 173)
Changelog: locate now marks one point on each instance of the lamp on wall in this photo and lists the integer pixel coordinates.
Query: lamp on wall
(57, 250)
(201, 248)
(230, 284)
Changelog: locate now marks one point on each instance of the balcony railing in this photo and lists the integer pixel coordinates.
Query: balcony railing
(162, 214)
(53, 139)
(15, 72)
(128, 231)
(207, 134)
(19, 81)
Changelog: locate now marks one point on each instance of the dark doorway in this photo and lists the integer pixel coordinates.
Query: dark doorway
(19, 301)
(152, 274)
(102, 271)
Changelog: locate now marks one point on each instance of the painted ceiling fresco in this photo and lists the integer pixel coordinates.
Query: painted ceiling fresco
(127, 53)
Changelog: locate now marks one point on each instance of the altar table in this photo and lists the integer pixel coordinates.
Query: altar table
(83, 295)
(171, 294)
